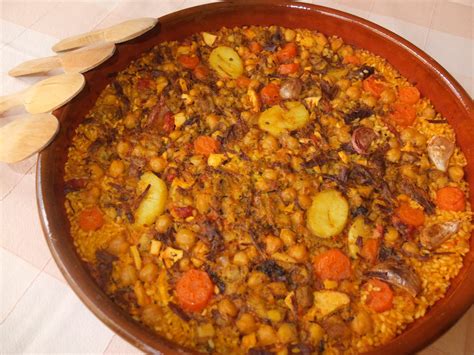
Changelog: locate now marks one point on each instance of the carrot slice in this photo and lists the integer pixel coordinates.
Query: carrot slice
(408, 95)
(255, 47)
(351, 59)
(205, 145)
(270, 94)
(242, 81)
(451, 198)
(412, 216)
(403, 114)
(332, 265)
(290, 68)
(194, 290)
(370, 250)
(373, 86)
(201, 72)
(91, 219)
(188, 61)
(380, 297)
(287, 53)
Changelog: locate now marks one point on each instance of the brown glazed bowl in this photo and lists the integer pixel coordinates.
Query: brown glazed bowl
(448, 97)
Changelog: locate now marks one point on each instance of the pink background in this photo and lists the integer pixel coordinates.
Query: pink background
(38, 311)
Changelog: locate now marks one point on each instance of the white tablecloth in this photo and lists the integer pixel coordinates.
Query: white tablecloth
(38, 311)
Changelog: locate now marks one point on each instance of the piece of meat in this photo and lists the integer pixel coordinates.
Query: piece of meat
(362, 138)
(397, 274)
(329, 91)
(274, 271)
(362, 73)
(417, 194)
(357, 114)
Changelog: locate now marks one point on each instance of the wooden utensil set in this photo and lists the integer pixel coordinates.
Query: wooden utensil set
(29, 133)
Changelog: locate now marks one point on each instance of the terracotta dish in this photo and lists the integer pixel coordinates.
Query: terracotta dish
(448, 97)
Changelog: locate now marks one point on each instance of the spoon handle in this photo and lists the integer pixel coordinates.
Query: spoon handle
(10, 101)
(79, 41)
(34, 66)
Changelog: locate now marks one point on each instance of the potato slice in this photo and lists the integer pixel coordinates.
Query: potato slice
(153, 204)
(209, 38)
(357, 229)
(327, 302)
(328, 214)
(226, 62)
(277, 120)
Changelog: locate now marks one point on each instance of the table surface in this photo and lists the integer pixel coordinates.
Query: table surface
(38, 311)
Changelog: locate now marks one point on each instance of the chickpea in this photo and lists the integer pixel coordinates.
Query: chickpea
(158, 164)
(266, 335)
(410, 248)
(345, 51)
(428, 113)
(184, 264)
(96, 171)
(252, 252)
(246, 323)
(321, 39)
(116, 168)
(212, 120)
(362, 323)
(288, 194)
(139, 151)
(393, 155)
(131, 120)
(419, 140)
(288, 237)
(93, 194)
(269, 143)
(408, 135)
(353, 93)
(336, 43)
(163, 223)
(272, 244)
(391, 235)
(455, 173)
(123, 148)
(256, 279)
(289, 142)
(240, 258)
(227, 307)
(394, 143)
(408, 171)
(297, 218)
(286, 333)
(149, 272)
(388, 96)
(289, 35)
(270, 174)
(118, 245)
(304, 201)
(299, 252)
(128, 275)
(185, 239)
(316, 333)
(369, 100)
(152, 314)
(343, 84)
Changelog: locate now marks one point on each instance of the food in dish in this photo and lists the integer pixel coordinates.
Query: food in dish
(268, 189)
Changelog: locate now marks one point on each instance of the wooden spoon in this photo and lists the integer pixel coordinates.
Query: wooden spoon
(118, 33)
(26, 135)
(46, 95)
(78, 61)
